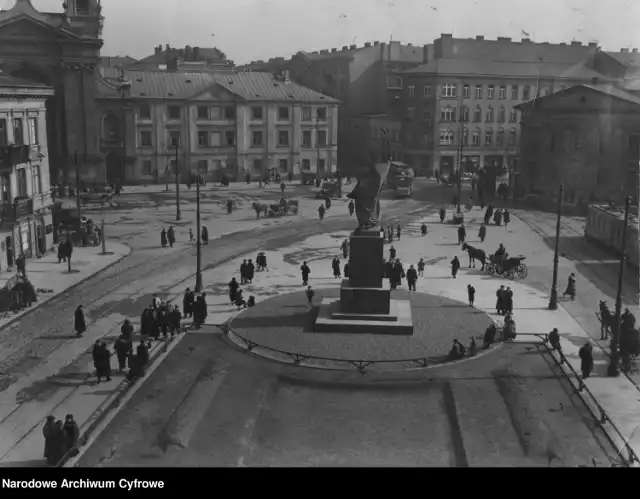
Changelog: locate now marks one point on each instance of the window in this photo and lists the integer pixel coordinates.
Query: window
(500, 137)
(203, 165)
(82, 8)
(144, 111)
(256, 138)
(489, 115)
(174, 112)
(203, 139)
(465, 137)
(18, 131)
(465, 91)
(525, 93)
(501, 114)
(174, 139)
(446, 137)
(465, 114)
(512, 136)
(4, 138)
(306, 165)
(33, 131)
(321, 163)
(426, 115)
(37, 180)
(256, 112)
(411, 90)
(322, 113)
(284, 165)
(514, 116)
(490, 92)
(448, 90)
(477, 114)
(447, 114)
(257, 164)
(230, 138)
(322, 138)
(478, 91)
(306, 114)
(21, 181)
(503, 92)
(514, 92)
(306, 138)
(283, 113)
(283, 137)
(145, 138)
(410, 113)
(146, 167)
(544, 92)
(203, 113)
(426, 91)
(488, 137)
(475, 138)
(173, 164)
(394, 81)
(229, 113)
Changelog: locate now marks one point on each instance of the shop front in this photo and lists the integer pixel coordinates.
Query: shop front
(42, 224)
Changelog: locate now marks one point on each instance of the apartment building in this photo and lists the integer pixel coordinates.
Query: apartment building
(26, 223)
(154, 124)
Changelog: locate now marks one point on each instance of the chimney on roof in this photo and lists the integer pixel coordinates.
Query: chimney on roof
(376, 43)
(367, 44)
(196, 53)
(334, 50)
(593, 44)
(168, 47)
(157, 49)
(353, 47)
(576, 44)
(344, 48)
(526, 40)
(504, 39)
(480, 38)
(624, 51)
(187, 52)
(409, 44)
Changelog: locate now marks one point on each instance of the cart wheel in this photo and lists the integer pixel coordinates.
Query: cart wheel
(522, 271)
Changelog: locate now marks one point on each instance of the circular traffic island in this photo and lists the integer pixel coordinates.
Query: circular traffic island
(282, 329)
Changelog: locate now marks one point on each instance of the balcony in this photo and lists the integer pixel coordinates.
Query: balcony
(22, 207)
(35, 152)
(41, 201)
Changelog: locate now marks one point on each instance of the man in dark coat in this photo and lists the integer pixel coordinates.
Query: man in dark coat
(251, 270)
(346, 270)
(187, 303)
(398, 232)
(321, 212)
(500, 300)
(442, 214)
(56, 443)
(163, 238)
(103, 361)
(462, 234)
(506, 216)
(175, 318)
(123, 349)
(455, 266)
(508, 300)
(412, 278)
(243, 272)
(335, 265)
(392, 252)
(71, 432)
(304, 268)
(586, 359)
(233, 289)
(310, 294)
(46, 433)
(200, 311)
(171, 236)
(204, 234)
(142, 351)
(127, 330)
(352, 207)
(80, 325)
(145, 322)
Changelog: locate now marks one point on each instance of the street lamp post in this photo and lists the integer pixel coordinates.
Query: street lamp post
(75, 161)
(615, 334)
(104, 241)
(177, 186)
(198, 287)
(553, 300)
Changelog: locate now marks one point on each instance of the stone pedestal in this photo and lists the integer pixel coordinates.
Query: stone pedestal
(365, 306)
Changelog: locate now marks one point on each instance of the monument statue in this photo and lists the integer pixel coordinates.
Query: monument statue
(366, 196)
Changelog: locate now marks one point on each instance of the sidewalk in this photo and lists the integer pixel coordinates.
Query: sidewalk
(53, 278)
(617, 396)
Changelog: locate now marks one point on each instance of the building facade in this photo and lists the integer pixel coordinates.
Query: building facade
(60, 50)
(221, 124)
(26, 226)
(587, 137)
(183, 59)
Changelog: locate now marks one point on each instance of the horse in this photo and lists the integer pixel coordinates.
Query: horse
(475, 254)
(260, 208)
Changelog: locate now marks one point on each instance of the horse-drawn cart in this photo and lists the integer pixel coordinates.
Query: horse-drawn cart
(508, 267)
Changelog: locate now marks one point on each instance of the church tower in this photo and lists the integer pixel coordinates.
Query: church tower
(84, 17)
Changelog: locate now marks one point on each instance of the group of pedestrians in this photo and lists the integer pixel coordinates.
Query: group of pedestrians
(59, 438)
(504, 300)
(168, 237)
(498, 215)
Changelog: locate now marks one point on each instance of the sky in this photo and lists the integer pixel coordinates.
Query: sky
(259, 29)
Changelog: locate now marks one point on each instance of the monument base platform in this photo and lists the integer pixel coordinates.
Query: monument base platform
(398, 321)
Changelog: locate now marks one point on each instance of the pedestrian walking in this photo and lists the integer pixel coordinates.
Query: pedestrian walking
(321, 212)
(488, 214)
(421, 266)
(392, 252)
(163, 237)
(586, 359)
(56, 445)
(506, 216)
(497, 218)
(123, 349)
(103, 362)
(455, 266)
(327, 202)
(204, 235)
(79, 323)
(191, 237)
(187, 303)
(200, 311)
(469, 204)
(508, 300)
(554, 340)
(46, 433)
(71, 433)
(571, 287)
(398, 232)
(412, 278)
(390, 234)
(473, 347)
(171, 236)
(142, 351)
(345, 246)
(471, 293)
(310, 294)
(305, 270)
(282, 186)
(233, 289)
(250, 271)
(243, 272)
(335, 264)
(352, 207)
(346, 270)
(423, 229)
(443, 213)
(482, 233)
(500, 298)
(462, 234)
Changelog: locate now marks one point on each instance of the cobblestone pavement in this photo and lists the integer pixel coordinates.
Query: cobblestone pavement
(210, 405)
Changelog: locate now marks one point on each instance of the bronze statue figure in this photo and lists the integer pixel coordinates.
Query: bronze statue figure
(366, 195)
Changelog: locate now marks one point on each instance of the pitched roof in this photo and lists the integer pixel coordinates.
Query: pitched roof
(182, 85)
(629, 59)
(204, 54)
(117, 61)
(474, 67)
(606, 89)
(14, 82)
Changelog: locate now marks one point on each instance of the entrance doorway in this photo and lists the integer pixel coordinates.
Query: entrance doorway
(113, 163)
(9, 245)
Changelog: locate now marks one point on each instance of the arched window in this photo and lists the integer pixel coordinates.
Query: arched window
(488, 137)
(512, 136)
(514, 116)
(502, 116)
(465, 137)
(490, 115)
(500, 137)
(477, 114)
(111, 128)
(465, 113)
(447, 114)
(446, 137)
(475, 138)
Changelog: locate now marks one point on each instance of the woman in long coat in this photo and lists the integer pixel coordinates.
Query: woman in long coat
(204, 234)
(79, 323)
(103, 362)
(163, 238)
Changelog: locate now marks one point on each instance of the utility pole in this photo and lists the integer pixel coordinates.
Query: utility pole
(460, 148)
(198, 287)
(177, 184)
(615, 336)
(75, 161)
(102, 236)
(553, 300)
